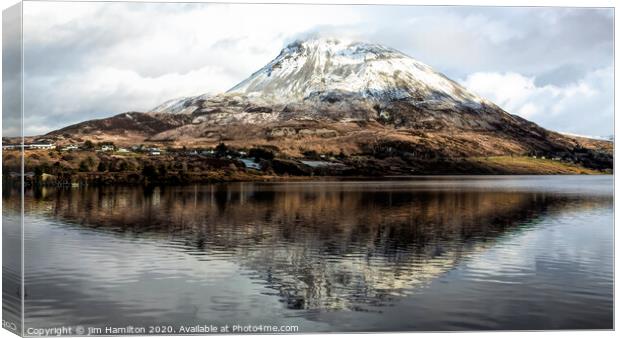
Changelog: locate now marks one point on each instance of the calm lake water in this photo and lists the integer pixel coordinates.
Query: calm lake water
(438, 253)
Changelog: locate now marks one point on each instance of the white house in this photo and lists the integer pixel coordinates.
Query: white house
(70, 147)
(39, 146)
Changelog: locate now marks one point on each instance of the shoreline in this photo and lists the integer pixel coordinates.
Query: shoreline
(30, 184)
(96, 168)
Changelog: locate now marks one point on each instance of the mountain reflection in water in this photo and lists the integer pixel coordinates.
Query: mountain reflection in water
(314, 246)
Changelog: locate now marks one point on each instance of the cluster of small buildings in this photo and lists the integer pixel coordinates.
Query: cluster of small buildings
(65, 148)
(141, 149)
(112, 148)
(70, 147)
(208, 152)
(153, 151)
(231, 154)
(37, 146)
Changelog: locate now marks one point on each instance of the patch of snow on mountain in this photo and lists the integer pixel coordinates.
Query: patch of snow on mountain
(593, 137)
(182, 105)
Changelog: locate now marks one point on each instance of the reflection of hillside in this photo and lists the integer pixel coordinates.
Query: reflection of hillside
(316, 246)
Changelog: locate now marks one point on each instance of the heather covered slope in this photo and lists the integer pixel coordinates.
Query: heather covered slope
(126, 127)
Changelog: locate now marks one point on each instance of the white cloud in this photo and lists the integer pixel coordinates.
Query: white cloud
(104, 59)
(579, 107)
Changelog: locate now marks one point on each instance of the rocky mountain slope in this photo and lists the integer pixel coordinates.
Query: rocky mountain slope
(352, 98)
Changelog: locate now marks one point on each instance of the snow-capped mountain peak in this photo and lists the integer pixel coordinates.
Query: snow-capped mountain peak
(323, 65)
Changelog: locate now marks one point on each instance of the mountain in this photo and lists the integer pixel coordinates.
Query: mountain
(331, 96)
(340, 81)
(336, 81)
(312, 68)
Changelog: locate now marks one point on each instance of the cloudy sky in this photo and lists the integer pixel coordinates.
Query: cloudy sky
(553, 66)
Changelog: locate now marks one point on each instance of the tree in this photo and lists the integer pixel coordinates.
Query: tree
(261, 154)
(341, 155)
(102, 166)
(221, 150)
(311, 154)
(88, 145)
(90, 162)
(123, 166)
(149, 172)
(38, 172)
(84, 166)
(162, 170)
